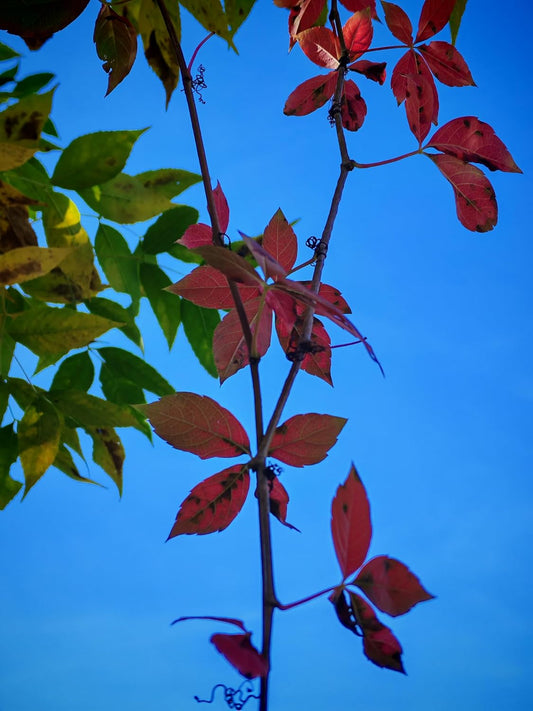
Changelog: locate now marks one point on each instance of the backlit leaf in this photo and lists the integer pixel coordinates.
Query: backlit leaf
(241, 654)
(379, 644)
(321, 46)
(232, 265)
(197, 424)
(168, 228)
(38, 440)
(116, 45)
(280, 241)
(25, 263)
(278, 499)
(304, 16)
(208, 287)
(236, 12)
(376, 71)
(90, 411)
(9, 487)
(456, 17)
(310, 95)
(221, 206)
(37, 20)
(119, 265)
(470, 139)
(357, 5)
(270, 266)
(197, 236)
(135, 369)
(433, 17)
(20, 129)
(166, 306)
(353, 107)
(305, 439)
(475, 199)
(108, 453)
(76, 371)
(357, 33)
(412, 63)
(94, 159)
(390, 585)
(350, 523)
(419, 105)
(51, 330)
(398, 22)
(213, 504)
(209, 14)
(447, 64)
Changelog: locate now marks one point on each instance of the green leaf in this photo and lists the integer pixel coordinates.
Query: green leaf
(9, 488)
(65, 463)
(38, 440)
(209, 14)
(7, 348)
(25, 263)
(120, 389)
(121, 362)
(4, 398)
(32, 180)
(236, 12)
(44, 329)
(94, 158)
(90, 411)
(9, 75)
(128, 198)
(76, 371)
(115, 312)
(119, 265)
(7, 53)
(20, 129)
(23, 392)
(199, 325)
(168, 228)
(32, 84)
(456, 17)
(108, 453)
(166, 306)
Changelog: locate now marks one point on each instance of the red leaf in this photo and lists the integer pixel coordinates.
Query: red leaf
(419, 106)
(197, 424)
(116, 45)
(318, 360)
(280, 241)
(196, 236)
(208, 287)
(221, 206)
(241, 654)
(270, 266)
(447, 64)
(303, 16)
(434, 15)
(357, 33)
(231, 264)
(470, 139)
(412, 63)
(379, 644)
(35, 23)
(321, 46)
(356, 5)
(350, 523)
(475, 200)
(278, 503)
(353, 107)
(305, 439)
(331, 294)
(390, 585)
(398, 22)
(372, 70)
(229, 346)
(213, 504)
(310, 95)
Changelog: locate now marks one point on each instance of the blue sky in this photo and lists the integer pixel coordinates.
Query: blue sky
(442, 444)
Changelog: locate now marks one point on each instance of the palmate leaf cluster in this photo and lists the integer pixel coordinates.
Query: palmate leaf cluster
(62, 289)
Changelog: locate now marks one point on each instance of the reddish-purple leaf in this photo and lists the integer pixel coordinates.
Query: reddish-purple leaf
(371, 70)
(350, 523)
(116, 45)
(231, 264)
(475, 199)
(447, 65)
(280, 241)
(379, 644)
(229, 346)
(303, 16)
(419, 106)
(241, 654)
(278, 503)
(321, 46)
(221, 206)
(357, 33)
(310, 95)
(208, 287)
(357, 5)
(344, 611)
(197, 424)
(331, 294)
(390, 585)
(353, 107)
(398, 22)
(305, 439)
(197, 235)
(36, 22)
(412, 63)
(213, 504)
(270, 266)
(434, 15)
(470, 139)
(317, 361)
(229, 620)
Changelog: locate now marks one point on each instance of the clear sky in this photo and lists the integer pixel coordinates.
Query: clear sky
(443, 443)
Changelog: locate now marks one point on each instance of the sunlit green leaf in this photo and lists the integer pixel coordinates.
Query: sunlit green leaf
(94, 159)
(199, 325)
(119, 265)
(166, 306)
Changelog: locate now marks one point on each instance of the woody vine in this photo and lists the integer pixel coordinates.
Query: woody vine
(228, 279)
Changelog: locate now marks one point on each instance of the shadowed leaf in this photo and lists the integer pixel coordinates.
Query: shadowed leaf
(241, 654)
(379, 644)
(279, 499)
(200, 325)
(37, 20)
(116, 44)
(9, 487)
